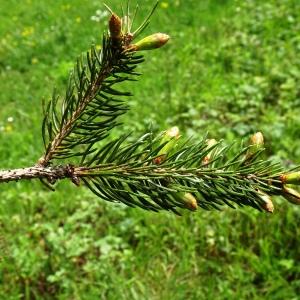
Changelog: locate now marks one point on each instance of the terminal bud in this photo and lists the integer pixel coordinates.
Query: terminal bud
(150, 42)
(115, 27)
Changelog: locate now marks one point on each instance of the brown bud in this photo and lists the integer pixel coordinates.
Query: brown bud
(159, 159)
(115, 27)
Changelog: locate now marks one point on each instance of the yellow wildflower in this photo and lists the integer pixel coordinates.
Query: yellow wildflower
(66, 7)
(8, 128)
(164, 4)
(27, 31)
(34, 61)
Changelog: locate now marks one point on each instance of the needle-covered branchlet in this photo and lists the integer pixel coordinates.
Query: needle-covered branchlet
(169, 142)
(156, 171)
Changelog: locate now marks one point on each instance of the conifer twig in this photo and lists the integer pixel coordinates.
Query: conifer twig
(165, 172)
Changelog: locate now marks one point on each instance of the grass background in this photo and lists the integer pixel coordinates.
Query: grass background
(231, 68)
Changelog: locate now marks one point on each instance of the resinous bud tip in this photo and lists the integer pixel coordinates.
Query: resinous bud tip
(151, 42)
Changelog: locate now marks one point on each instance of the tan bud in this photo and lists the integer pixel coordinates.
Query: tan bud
(151, 42)
(257, 139)
(291, 195)
(257, 143)
(170, 137)
(267, 204)
(268, 207)
(189, 201)
(210, 143)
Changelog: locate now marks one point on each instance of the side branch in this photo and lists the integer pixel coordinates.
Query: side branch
(50, 173)
(68, 127)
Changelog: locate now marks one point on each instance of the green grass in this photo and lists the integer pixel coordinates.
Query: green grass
(231, 68)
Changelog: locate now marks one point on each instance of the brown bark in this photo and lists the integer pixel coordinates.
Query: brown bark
(49, 173)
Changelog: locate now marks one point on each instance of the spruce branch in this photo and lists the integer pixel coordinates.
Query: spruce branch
(163, 172)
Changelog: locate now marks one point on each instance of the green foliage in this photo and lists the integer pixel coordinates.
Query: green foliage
(90, 107)
(126, 173)
(188, 175)
(69, 244)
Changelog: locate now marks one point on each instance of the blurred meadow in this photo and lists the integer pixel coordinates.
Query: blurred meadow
(231, 68)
